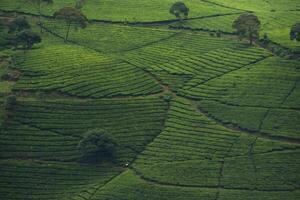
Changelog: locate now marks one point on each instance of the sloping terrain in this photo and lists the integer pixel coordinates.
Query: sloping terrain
(194, 116)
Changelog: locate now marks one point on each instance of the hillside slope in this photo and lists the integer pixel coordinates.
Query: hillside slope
(194, 116)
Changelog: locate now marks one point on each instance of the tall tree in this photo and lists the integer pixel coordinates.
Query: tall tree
(295, 32)
(27, 39)
(180, 10)
(37, 4)
(17, 25)
(247, 26)
(21, 34)
(73, 17)
(97, 145)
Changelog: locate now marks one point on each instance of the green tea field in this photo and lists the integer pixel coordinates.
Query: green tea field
(131, 100)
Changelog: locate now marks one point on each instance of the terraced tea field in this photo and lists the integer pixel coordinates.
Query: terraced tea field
(193, 115)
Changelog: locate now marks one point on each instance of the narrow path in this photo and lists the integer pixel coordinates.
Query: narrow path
(289, 93)
(262, 121)
(252, 132)
(235, 128)
(133, 160)
(102, 186)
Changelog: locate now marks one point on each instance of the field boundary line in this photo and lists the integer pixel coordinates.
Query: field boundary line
(230, 71)
(159, 22)
(165, 184)
(259, 134)
(101, 186)
(289, 93)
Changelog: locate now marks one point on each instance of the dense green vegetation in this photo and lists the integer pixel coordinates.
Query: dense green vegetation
(127, 10)
(132, 122)
(142, 100)
(51, 180)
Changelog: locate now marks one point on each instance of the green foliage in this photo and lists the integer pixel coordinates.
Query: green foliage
(248, 26)
(111, 39)
(73, 17)
(181, 144)
(97, 145)
(53, 128)
(23, 35)
(178, 9)
(167, 96)
(37, 4)
(18, 24)
(59, 180)
(27, 39)
(129, 186)
(295, 32)
(131, 10)
(10, 102)
(265, 40)
(192, 147)
(260, 97)
(103, 76)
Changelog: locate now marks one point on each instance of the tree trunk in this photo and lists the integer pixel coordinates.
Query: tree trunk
(68, 30)
(251, 39)
(250, 36)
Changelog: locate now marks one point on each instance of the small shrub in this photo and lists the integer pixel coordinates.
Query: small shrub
(96, 146)
(218, 34)
(167, 96)
(265, 40)
(10, 76)
(10, 102)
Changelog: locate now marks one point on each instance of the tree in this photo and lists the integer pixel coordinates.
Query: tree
(17, 25)
(27, 39)
(178, 9)
(247, 26)
(10, 102)
(97, 145)
(38, 6)
(72, 16)
(295, 32)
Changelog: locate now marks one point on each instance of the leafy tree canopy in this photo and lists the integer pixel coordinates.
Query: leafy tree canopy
(73, 17)
(178, 9)
(27, 39)
(97, 145)
(295, 32)
(247, 25)
(18, 24)
(10, 102)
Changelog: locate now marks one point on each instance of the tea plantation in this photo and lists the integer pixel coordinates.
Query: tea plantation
(193, 111)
